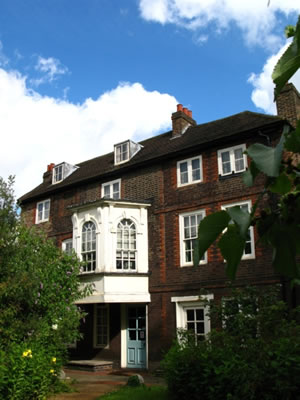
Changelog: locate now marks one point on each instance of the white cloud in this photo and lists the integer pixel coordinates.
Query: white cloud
(263, 93)
(51, 68)
(3, 59)
(256, 20)
(37, 130)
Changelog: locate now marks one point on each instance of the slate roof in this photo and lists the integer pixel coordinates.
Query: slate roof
(161, 146)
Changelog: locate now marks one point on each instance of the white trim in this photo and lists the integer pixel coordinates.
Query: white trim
(43, 219)
(64, 245)
(190, 180)
(232, 159)
(110, 184)
(123, 336)
(54, 180)
(191, 302)
(183, 262)
(119, 145)
(101, 346)
(251, 230)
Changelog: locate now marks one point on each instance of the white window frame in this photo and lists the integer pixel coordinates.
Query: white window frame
(124, 253)
(54, 175)
(251, 230)
(101, 345)
(119, 155)
(184, 303)
(45, 215)
(111, 185)
(190, 181)
(65, 246)
(183, 262)
(91, 251)
(232, 159)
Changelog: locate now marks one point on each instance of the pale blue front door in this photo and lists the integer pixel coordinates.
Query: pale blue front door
(136, 337)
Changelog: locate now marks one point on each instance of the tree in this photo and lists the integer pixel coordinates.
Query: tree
(280, 226)
(38, 288)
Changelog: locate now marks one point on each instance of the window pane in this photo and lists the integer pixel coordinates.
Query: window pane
(226, 165)
(184, 173)
(200, 328)
(239, 159)
(107, 191)
(196, 170)
(200, 314)
(190, 315)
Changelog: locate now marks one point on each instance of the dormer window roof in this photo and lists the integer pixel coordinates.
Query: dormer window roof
(125, 151)
(62, 171)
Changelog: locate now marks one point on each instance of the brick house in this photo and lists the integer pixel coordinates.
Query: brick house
(132, 214)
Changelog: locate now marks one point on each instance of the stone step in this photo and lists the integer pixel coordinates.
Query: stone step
(90, 365)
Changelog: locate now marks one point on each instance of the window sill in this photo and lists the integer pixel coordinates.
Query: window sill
(188, 184)
(232, 175)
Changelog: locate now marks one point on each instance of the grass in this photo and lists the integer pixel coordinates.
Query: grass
(138, 393)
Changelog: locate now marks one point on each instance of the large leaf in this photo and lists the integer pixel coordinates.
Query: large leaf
(282, 185)
(241, 218)
(250, 174)
(284, 255)
(209, 230)
(232, 246)
(292, 141)
(288, 63)
(267, 159)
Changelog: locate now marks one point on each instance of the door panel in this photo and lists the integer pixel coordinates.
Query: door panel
(136, 337)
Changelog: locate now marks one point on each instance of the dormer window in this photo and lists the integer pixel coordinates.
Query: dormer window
(58, 173)
(125, 151)
(62, 171)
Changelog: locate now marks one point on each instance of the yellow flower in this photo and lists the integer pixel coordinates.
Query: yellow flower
(51, 371)
(54, 359)
(27, 353)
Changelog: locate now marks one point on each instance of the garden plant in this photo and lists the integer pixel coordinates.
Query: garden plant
(38, 288)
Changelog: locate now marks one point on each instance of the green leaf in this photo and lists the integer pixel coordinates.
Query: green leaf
(267, 159)
(241, 218)
(209, 230)
(288, 63)
(292, 141)
(250, 174)
(284, 255)
(232, 246)
(290, 31)
(282, 185)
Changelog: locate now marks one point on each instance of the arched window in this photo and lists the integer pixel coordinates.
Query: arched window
(126, 245)
(88, 246)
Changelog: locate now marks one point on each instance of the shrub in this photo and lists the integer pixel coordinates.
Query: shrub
(38, 287)
(256, 355)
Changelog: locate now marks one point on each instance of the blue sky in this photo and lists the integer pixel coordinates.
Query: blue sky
(78, 76)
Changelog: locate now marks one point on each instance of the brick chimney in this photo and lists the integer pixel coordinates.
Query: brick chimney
(181, 121)
(288, 104)
(47, 176)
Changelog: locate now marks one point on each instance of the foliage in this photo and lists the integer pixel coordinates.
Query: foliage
(276, 226)
(138, 393)
(133, 381)
(255, 356)
(38, 287)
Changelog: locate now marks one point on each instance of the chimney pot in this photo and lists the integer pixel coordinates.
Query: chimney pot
(181, 121)
(190, 113)
(50, 167)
